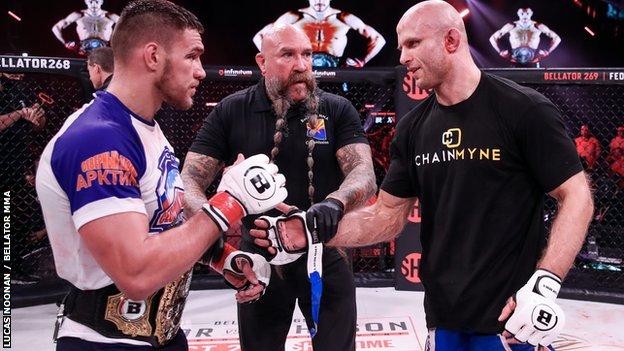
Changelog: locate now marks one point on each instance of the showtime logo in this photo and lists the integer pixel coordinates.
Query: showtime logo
(414, 215)
(409, 267)
(411, 90)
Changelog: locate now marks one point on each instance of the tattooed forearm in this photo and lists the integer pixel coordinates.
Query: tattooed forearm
(198, 173)
(359, 184)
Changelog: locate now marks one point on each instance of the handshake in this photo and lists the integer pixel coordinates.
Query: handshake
(254, 186)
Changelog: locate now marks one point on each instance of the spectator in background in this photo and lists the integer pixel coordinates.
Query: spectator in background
(618, 141)
(20, 116)
(9, 113)
(100, 65)
(587, 147)
(33, 114)
(616, 166)
(12, 76)
(616, 157)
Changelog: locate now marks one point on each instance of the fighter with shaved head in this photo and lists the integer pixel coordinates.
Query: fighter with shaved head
(316, 139)
(480, 153)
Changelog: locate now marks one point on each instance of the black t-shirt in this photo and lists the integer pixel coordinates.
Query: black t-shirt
(480, 169)
(244, 122)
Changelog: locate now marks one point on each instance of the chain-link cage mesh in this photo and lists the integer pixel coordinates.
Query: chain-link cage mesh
(374, 102)
(593, 114)
(22, 143)
(599, 107)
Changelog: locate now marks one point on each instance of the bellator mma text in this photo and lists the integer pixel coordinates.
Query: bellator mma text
(6, 276)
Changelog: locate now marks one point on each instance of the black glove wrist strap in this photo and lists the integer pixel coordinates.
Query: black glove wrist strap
(337, 202)
(214, 252)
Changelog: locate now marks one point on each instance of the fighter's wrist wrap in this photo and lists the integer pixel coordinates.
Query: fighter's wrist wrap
(224, 210)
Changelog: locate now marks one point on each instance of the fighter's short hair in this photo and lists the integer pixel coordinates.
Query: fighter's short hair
(102, 56)
(142, 21)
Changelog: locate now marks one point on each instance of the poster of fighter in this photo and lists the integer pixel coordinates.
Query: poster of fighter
(344, 33)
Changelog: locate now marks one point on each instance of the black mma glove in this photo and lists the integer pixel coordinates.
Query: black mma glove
(327, 215)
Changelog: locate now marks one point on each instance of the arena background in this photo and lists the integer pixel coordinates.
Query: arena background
(231, 25)
(381, 93)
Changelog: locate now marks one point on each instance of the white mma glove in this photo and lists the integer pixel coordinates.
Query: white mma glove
(250, 187)
(287, 235)
(230, 262)
(537, 319)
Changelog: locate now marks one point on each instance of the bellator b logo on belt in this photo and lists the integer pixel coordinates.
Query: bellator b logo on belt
(131, 310)
(129, 316)
(257, 183)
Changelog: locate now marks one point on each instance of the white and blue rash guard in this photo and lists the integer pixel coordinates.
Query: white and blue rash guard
(104, 160)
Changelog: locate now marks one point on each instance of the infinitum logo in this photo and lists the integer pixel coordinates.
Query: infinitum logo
(229, 72)
(452, 138)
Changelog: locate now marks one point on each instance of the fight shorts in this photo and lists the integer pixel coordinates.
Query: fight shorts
(155, 320)
(440, 339)
(523, 55)
(324, 60)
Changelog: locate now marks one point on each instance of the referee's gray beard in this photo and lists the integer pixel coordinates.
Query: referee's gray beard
(278, 94)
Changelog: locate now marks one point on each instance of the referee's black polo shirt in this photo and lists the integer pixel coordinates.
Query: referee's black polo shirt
(244, 122)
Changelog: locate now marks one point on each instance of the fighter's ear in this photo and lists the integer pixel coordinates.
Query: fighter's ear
(452, 40)
(261, 62)
(152, 55)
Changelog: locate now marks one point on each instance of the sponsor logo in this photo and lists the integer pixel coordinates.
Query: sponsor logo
(414, 215)
(258, 183)
(106, 168)
(169, 192)
(451, 138)
(409, 267)
(229, 72)
(131, 310)
(374, 334)
(544, 317)
(34, 62)
(411, 90)
(324, 74)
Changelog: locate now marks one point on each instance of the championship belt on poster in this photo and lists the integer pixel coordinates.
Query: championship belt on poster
(155, 320)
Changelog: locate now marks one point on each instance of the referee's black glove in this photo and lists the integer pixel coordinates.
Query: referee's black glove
(327, 214)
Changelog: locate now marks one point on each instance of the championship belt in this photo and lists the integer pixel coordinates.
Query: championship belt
(324, 60)
(523, 54)
(155, 320)
(91, 44)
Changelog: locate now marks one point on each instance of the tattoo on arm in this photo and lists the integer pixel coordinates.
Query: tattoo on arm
(359, 184)
(198, 173)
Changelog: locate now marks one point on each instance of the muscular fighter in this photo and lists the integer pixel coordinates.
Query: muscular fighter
(94, 27)
(524, 39)
(480, 154)
(327, 28)
(112, 195)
